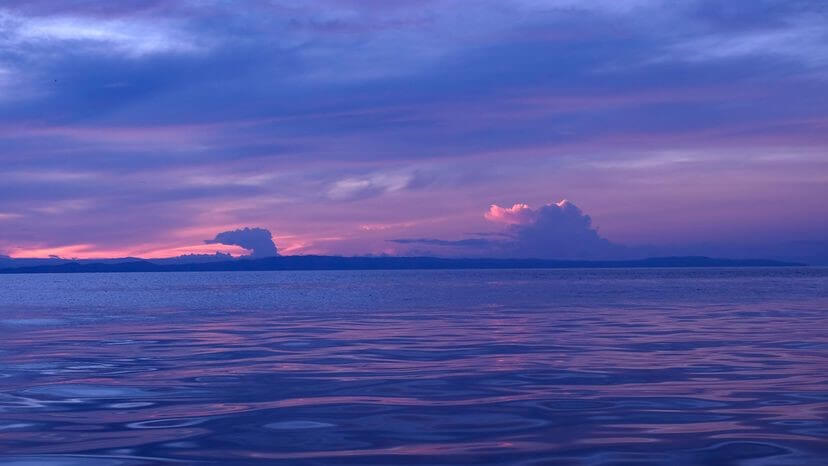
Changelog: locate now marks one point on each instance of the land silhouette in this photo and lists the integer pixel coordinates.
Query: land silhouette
(311, 262)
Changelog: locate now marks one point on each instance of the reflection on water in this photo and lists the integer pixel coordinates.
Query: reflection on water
(497, 367)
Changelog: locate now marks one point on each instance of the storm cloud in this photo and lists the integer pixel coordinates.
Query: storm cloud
(258, 241)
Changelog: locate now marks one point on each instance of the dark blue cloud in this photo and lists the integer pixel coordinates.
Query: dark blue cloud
(258, 241)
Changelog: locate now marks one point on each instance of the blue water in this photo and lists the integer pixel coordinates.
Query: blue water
(526, 367)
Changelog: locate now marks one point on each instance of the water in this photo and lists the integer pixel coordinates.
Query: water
(526, 367)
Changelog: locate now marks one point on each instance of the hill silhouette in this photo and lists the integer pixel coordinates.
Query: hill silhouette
(379, 263)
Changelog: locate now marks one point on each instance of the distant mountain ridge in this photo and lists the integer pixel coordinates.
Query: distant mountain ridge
(8, 262)
(376, 263)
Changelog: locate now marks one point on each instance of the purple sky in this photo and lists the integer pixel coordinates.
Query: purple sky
(366, 126)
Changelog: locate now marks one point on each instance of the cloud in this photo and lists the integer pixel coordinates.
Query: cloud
(258, 241)
(369, 186)
(470, 242)
(806, 43)
(9, 216)
(202, 115)
(518, 214)
(557, 230)
(133, 37)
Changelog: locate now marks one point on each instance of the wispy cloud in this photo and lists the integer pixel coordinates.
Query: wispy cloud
(805, 43)
(368, 186)
(134, 37)
(469, 242)
(9, 216)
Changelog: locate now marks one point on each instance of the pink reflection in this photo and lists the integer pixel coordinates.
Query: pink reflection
(618, 363)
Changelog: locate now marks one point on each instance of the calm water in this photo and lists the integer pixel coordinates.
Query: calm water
(570, 367)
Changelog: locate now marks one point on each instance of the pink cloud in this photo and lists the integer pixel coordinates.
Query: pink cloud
(519, 214)
(93, 251)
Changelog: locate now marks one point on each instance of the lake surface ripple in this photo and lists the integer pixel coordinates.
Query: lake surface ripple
(525, 367)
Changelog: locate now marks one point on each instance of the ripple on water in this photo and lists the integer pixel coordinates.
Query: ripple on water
(60, 460)
(31, 322)
(296, 425)
(131, 405)
(744, 453)
(89, 391)
(15, 425)
(166, 423)
(217, 379)
(537, 374)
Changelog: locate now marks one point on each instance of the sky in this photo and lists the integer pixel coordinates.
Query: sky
(532, 128)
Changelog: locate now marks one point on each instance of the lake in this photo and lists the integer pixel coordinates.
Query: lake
(524, 367)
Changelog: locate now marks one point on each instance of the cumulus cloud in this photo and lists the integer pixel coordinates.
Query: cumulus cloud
(258, 241)
(557, 230)
(518, 214)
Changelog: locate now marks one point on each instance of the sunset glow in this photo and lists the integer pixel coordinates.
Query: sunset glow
(146, 128)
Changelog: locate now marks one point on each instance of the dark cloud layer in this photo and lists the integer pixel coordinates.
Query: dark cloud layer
(258, 241)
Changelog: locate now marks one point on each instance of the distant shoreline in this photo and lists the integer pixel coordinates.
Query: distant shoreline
(286, 263)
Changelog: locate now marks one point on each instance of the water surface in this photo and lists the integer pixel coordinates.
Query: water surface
(527, 367)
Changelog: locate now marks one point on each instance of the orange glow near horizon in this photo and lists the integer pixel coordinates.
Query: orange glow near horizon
(90, 251)
(75, 250)
(173, 251)
(286, 245)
